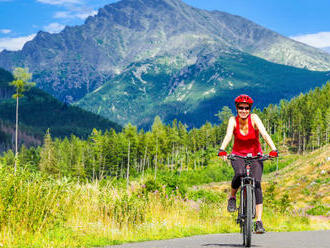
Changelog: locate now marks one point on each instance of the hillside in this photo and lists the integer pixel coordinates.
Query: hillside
(195, 93)
(80, 59)
(301, 188)
(39, 111)
(307, 183)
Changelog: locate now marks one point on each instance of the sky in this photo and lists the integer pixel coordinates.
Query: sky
(307, 21)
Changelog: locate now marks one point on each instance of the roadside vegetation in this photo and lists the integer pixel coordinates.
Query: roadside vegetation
(40, 211)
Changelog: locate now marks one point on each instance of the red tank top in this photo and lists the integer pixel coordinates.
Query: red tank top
(249, 143)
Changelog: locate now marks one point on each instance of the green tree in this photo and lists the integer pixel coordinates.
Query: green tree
(160, 140)
(98, 149)
(131, 135)
(317, 127)
(21, 84)
(224, 114)
(48, 161)
(327, 127)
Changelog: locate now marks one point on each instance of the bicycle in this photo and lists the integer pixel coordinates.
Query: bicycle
(247, 208)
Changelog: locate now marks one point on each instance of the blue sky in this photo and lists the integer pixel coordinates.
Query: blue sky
(304, 20)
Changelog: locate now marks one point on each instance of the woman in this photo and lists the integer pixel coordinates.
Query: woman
(246, 128)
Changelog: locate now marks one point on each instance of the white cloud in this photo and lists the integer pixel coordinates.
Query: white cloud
(63, 14)
(54, 27)
(86, 14)
(5, 31)
(318, 40)
(60, 2)
(71, 15)
(72, 9)
(14, 44)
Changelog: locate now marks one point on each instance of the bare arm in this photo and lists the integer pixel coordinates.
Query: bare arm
(263, 132)
(229, 133)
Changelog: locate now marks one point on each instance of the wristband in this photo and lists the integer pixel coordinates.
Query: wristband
(222, 153)
(273, 153)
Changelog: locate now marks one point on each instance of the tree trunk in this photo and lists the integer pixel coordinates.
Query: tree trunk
(186, 158)
(121, 168)
(93, 167)
(299, 145)
(145, 156)
(172, 155)
(143, 166)
(304, 143)
(156, 158)
(16, 134)
(127, 174)
(156, 169)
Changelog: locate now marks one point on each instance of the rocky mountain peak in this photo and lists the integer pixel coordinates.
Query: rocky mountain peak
(79, 59)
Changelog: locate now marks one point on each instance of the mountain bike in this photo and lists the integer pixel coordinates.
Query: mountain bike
(247, 208)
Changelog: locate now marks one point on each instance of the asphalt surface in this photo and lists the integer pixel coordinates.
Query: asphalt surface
(319, 239)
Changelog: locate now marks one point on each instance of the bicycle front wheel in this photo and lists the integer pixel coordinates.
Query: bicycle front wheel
(248, 216)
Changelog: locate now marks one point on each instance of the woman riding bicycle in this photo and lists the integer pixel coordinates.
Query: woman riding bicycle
(246, 128)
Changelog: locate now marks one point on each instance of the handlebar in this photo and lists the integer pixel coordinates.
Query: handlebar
(261, 157)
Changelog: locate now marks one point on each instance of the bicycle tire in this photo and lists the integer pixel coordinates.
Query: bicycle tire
(248, 218)
(242, 213)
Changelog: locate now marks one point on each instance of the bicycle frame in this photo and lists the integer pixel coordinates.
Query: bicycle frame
(247, 209)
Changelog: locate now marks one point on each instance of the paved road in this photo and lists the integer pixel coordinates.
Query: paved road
(319, 239)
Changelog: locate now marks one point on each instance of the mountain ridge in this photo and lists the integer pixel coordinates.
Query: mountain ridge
(195, 93)
(80, 59)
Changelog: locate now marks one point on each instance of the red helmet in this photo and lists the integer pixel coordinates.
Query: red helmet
(243, 99)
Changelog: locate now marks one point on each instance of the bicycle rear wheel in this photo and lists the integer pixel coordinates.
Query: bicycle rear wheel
(248, 216)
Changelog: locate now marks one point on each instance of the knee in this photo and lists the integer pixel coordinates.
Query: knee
(236, 182)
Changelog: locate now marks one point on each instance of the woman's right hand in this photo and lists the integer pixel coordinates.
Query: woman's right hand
(223, 154)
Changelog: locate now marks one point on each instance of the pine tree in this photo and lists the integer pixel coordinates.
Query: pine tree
(48, 159)
(327, 126)
(21, 84)
(317, 128)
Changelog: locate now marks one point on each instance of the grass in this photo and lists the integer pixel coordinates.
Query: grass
(39, 211)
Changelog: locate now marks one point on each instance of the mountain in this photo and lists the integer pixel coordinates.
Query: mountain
(39, 111)
(139, 58)
(197, 92)
(80, 59)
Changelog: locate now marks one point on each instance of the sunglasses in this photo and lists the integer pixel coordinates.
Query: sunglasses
(245, 108)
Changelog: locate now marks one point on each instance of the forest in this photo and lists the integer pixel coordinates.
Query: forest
(298, 125)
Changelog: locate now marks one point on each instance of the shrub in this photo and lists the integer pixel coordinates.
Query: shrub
(32, 201)
(128, 210)
(206, 196)
(151, 185)
(319, 210)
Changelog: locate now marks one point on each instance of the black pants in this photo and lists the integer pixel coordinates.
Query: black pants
(255, 172)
